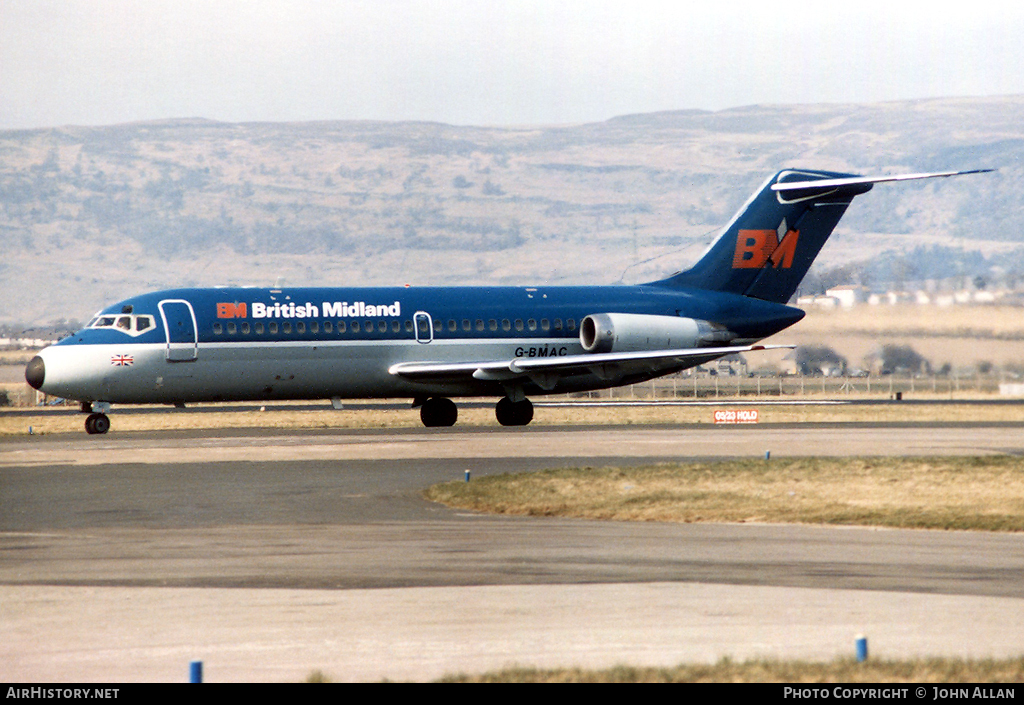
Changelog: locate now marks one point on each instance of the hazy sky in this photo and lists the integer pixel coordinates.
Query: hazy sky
(486, 62)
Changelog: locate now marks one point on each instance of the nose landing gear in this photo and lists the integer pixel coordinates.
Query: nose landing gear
(97, 423)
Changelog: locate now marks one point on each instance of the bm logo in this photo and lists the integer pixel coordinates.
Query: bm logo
(232, 310)
(756, 248)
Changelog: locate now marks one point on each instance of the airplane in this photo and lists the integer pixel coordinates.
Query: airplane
(431, 344)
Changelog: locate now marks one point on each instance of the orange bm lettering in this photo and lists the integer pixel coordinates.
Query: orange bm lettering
(231, 310)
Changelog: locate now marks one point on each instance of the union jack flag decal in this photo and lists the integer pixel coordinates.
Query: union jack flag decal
(122, 360)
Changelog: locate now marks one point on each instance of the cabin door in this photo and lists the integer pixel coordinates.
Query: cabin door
(180, 327)
(424, 327)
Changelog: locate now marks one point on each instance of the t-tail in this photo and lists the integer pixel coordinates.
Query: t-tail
(767, 248)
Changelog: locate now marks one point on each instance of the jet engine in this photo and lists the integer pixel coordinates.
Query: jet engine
(632, 332)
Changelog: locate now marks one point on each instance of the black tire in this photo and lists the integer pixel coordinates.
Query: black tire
(102, 423)
(510, 413)
(439, 411)
(97, 424)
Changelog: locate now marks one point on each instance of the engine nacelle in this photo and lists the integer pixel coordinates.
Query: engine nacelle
(631, 332)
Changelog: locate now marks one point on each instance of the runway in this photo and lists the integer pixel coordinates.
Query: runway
(269, 554)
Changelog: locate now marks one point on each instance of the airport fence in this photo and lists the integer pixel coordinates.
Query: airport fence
(706, 386)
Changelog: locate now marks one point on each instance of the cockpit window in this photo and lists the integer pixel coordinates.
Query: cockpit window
(132, 325)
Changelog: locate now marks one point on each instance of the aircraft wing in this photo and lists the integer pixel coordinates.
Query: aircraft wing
(546, 371)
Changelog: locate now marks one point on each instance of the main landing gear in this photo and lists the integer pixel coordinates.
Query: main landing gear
(440, 411)
(514, 413)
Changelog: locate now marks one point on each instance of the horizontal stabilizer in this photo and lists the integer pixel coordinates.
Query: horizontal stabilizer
(860, 180)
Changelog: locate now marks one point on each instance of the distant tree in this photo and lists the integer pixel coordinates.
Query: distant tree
(492, 189)
(891, 358)
(818, 360)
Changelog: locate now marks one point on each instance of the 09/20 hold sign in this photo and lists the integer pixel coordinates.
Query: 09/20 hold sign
(736, 416)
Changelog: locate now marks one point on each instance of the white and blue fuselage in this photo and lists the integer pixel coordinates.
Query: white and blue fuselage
(311, 343)
(430, 344)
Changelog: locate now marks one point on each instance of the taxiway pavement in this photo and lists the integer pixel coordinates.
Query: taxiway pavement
(269, 554)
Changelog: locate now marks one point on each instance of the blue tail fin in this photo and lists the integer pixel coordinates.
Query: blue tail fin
(767, 248)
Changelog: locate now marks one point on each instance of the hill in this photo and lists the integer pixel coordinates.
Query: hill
(89, 215)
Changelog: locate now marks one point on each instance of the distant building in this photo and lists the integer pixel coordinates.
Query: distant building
(847, 295)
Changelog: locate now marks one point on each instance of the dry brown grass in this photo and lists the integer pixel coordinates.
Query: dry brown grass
(984, 493)
(932, 670)
(16, 357)
(1000, 322)
(68, 419)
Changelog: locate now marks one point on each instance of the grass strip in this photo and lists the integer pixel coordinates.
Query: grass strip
(955, 493)
(844, 670)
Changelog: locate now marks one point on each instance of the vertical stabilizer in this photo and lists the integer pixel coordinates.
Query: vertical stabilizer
(767, 248)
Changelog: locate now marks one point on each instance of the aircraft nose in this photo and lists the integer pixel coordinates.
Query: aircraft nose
(35, 372)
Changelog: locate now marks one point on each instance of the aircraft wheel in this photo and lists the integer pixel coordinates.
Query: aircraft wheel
(514, 413)
(97, 423)
(439, 411)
